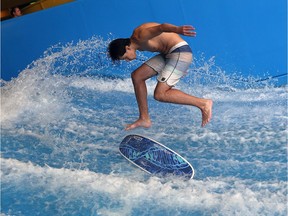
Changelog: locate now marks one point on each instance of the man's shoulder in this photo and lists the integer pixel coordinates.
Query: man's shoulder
(148, 24)
(137, 31)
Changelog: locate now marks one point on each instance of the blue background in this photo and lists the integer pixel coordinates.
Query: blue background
(248, 37)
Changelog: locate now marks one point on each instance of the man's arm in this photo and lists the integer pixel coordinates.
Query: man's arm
(153, 31)
(186, 30)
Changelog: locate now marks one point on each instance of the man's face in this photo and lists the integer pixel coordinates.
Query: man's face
(17, 12)
(129, 55)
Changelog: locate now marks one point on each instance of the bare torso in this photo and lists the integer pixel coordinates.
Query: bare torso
(161, 43)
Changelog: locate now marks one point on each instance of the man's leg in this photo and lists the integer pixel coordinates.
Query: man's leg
(165, 93)
(139, 76)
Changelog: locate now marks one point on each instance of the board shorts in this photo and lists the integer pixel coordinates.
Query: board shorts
(172, 66)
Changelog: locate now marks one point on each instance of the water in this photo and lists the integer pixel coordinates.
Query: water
(63, 118)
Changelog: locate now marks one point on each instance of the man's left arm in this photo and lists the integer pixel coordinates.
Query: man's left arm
(186, 30)
(156, 30)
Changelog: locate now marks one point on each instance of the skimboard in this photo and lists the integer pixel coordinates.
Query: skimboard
(154, 157)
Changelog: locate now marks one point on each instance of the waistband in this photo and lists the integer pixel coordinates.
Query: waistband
(182, 43)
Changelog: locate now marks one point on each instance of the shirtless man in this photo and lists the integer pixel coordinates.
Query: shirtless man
(170, 65)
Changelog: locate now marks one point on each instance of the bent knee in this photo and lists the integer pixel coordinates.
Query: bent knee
(142, 73)
(162, 92)
(159, 96)
(134, 75)
(137, 76)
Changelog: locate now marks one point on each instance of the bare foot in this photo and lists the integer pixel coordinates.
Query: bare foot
(139, 123)
(207, 112)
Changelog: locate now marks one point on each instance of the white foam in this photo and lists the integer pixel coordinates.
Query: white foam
(42, 96)
(227, 196)
(104, 85)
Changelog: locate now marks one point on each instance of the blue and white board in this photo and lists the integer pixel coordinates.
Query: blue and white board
(154, 158)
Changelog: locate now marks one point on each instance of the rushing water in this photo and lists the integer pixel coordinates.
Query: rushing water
(63, 117)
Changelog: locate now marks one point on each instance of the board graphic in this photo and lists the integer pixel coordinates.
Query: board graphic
(154, 157)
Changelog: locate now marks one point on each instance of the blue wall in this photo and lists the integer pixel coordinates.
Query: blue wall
(245, 36)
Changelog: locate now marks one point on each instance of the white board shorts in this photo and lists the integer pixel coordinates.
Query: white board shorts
(172, 66)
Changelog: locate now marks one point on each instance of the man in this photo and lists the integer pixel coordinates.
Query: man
(16, 12)
(171, 64)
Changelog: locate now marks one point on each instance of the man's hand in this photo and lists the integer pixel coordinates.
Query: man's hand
(186, 30)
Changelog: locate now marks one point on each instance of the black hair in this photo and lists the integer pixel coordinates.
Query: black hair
(117, 48)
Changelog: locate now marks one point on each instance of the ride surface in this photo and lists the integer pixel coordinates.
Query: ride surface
(63, 117)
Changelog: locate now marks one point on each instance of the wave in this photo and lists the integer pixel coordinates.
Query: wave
(89, 190)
